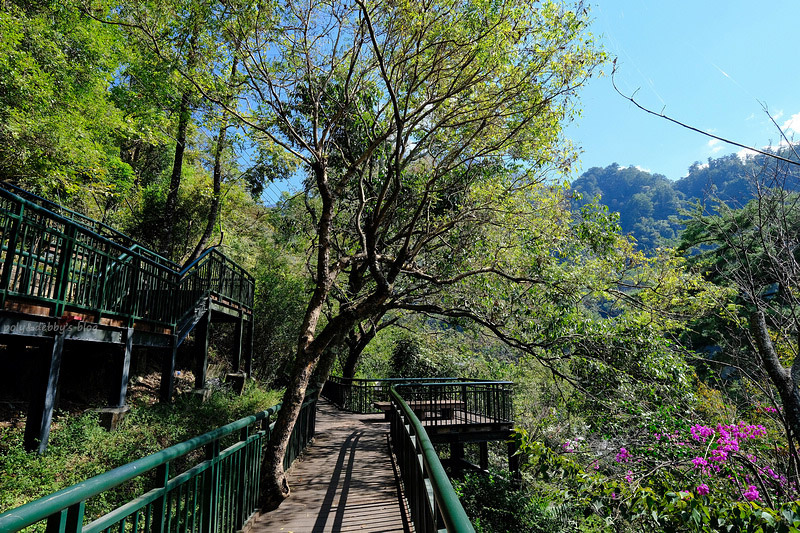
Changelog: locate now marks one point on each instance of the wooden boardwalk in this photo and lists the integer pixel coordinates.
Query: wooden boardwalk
(344, 482)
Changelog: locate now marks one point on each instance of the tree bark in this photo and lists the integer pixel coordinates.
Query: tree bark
(213, 214)
(780, 376)
(357, 340)
(274, 487)
(184, 113)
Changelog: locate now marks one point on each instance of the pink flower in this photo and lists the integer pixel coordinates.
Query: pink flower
(623, 456)
(629, 476)
(702, 489)
(701, 433)
(751, 493)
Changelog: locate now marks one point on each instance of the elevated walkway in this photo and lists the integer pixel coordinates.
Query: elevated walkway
(69, 281)
(344, 482)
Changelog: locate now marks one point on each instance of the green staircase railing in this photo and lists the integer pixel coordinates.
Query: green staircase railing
(51, 255)
(218, 494)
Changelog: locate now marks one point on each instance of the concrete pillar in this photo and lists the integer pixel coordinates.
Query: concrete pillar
(43, 397)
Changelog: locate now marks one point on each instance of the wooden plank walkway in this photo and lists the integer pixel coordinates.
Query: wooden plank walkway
(344, 482)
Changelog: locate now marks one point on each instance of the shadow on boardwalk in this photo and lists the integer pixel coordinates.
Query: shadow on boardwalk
(344, 482)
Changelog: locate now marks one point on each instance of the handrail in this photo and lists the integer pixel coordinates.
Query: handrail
(88, 222)
(359, 394)
(447, 506)
(55, 506)
(53, 258)
(66, 221)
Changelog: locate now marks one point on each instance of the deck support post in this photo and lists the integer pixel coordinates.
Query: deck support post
(456, 450)
(484, 455)
(513, 459)
(238, 347)
(118, 392)
(168, 370)
(201, 334)
(42, 403)
(247, 348)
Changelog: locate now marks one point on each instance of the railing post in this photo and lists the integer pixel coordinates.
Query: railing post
(11, 250)
(161, 505)
(134, 292)
(244, 476)
(63, 279)
(69, 520)
(211, 489)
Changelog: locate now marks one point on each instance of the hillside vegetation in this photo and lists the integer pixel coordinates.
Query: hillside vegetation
(432, 233)
(653, 208)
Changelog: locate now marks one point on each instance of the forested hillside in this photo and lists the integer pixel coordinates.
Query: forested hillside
(656, 383)
(653, 207)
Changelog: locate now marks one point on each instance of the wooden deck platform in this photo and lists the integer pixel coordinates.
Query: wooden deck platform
(344, 482)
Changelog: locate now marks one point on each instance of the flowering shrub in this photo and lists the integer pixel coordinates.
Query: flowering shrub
(704, 478)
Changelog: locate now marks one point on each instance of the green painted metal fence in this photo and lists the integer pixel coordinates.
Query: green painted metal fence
(52, 256)
(432, 500)
(358, 395)
(218, 494)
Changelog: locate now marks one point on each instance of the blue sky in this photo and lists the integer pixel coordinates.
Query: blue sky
(707, 63)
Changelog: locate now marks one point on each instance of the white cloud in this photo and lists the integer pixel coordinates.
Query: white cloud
(715, 145)
(745, 153)
(792, 125)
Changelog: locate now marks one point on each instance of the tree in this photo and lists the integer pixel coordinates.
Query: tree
(404, 116)
(755, 251)
(58, 124)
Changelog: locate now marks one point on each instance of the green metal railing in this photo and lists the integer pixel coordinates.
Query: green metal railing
(358, 395)
(96, 226)
(218, 494)
(74, 263)
(432, 500)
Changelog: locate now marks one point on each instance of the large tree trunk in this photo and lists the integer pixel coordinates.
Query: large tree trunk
(357, 340)
(184, 114)
(274, 487)
(780, 376)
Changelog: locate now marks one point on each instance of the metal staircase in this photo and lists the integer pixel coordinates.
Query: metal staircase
(65, 277)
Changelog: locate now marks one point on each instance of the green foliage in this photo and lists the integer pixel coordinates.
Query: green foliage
(279, 304)
(79, 448)
(58, 126)
(497, 505)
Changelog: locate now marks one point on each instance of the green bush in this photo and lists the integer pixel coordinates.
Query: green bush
(79, 448)
(497, 505)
